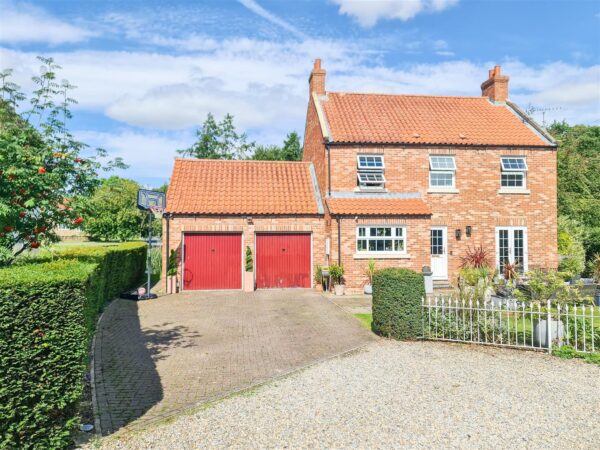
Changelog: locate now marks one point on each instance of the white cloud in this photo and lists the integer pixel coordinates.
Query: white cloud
(368, 13)
(26, 23)
(150, 154)
(264, 85)
(262, 12)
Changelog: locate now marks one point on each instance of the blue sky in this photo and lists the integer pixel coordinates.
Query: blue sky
(148, 72)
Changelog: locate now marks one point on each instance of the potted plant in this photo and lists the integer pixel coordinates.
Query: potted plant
(319, 277)
(369, 271)
(249, 274)
(172, 273)
(336, 272)
(541, 288)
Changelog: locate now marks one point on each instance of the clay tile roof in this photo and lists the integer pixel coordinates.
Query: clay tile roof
(378, 207)
(201, 186)
(420, 119)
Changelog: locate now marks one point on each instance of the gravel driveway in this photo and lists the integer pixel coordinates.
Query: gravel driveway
(395, 394)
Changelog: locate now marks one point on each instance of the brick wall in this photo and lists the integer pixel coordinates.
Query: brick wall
(478, 202)
(314, 149)
(417, 231)
(182, 224)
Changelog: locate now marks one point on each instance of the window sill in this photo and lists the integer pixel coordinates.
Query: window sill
(370, 190)
(442, 191)
(520, 191)
(375, 255)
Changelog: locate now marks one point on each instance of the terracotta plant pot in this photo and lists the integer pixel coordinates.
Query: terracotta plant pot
(248, 281)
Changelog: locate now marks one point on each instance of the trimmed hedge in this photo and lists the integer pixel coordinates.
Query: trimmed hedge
(48, 312)
(397, 295)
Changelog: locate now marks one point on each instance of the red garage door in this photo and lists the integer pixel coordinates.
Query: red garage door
(212, 261)
(283, 260)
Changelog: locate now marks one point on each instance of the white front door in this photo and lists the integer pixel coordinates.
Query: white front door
(511, 247)
(439, 253)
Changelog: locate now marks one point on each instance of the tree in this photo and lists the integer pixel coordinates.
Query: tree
(290, 151)
(219, 141)
(570, 246)
(579, 179)
(44, 175)
(112, 211)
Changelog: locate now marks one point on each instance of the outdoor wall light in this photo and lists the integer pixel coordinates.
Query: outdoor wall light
(468, 230)
(457, 234)
(249, 220)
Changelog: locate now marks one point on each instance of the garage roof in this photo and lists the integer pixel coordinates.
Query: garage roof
(207, 186)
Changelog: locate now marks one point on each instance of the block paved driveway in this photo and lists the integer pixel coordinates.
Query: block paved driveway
(157, 357)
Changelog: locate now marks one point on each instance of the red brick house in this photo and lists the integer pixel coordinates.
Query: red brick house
(413, 180)
(406, 180)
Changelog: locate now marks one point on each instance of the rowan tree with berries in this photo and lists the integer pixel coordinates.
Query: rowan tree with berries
(46, 175)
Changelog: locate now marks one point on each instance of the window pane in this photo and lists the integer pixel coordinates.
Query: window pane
(512, 179)
(388, 245)
(503, 248)
(362, 231)
(370, 162)
(361, 245)
(442, 163)
(441, 179)
(367, 177)
(399, 231)
(437, 242)
(514, 164)
(399, 245)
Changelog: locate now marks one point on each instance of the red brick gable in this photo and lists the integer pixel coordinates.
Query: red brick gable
(420, 119)
(201, 186)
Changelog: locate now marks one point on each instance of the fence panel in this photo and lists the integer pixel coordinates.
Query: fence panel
(510, 323)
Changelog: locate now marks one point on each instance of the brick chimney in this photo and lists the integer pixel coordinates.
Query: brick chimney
(496, 86)
(316, 81)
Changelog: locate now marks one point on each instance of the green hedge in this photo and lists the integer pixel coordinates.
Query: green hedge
(48, 311)
(397, 295)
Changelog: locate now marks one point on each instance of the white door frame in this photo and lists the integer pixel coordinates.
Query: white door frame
(440, 261)
(511, 249)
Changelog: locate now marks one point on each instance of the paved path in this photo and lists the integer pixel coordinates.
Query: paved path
(401, 395)
(156, 357)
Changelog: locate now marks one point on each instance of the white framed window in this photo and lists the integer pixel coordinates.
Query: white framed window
(368, 162)
(380, 239)
(370, 171)
(442, 170)
(514, 171)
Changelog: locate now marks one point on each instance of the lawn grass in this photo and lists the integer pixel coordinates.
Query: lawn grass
(365, 319)
(567, 352)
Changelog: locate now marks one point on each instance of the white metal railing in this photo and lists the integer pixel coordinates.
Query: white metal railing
(511, 323)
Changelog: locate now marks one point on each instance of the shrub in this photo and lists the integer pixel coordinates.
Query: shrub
(397, 295)
(249, 264)
(336, 273)
(476, 258)
(48, 312)
(172, 264)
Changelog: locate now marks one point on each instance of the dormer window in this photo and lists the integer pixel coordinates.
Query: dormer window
(442, 171)
(514, 170)
(370, 172)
